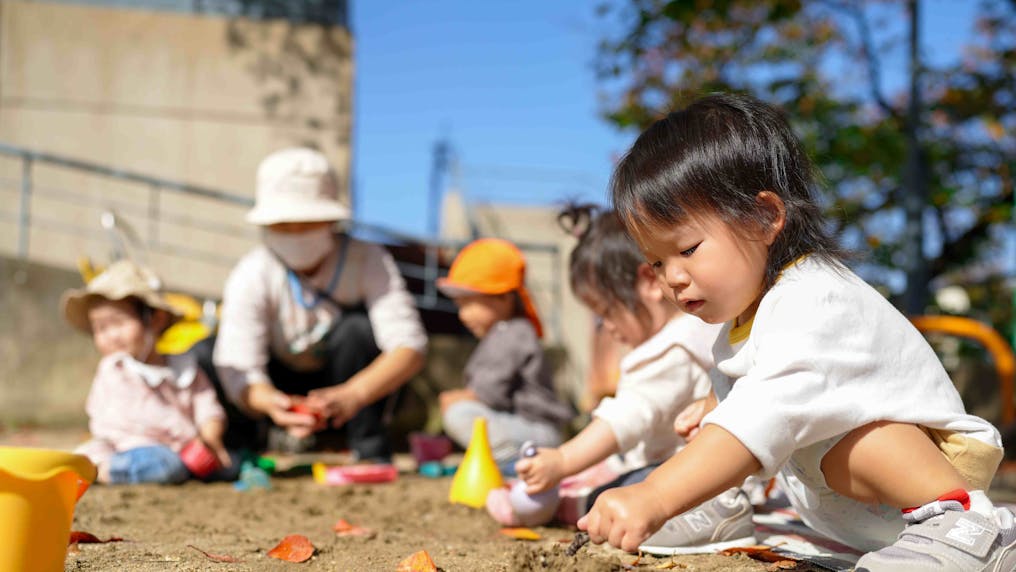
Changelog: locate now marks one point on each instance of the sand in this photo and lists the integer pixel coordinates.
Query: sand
(410, 514)
(160, 523)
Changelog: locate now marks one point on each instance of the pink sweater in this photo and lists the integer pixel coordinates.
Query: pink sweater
(163, 406)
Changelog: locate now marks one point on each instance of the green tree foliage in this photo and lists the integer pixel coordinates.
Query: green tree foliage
(824, 62)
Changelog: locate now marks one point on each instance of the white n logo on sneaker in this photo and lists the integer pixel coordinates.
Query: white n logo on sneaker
(698, 520)
(965, 532)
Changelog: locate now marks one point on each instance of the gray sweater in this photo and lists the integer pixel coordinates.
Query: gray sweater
(508, 372)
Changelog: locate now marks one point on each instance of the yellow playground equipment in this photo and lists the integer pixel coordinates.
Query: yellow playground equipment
(997, 346)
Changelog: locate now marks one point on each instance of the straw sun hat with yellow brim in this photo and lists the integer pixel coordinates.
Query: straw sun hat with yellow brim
(297, 185)
(122, 280)
(490, 266)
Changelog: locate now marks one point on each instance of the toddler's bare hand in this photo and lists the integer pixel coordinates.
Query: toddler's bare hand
(211, 435)
(688, 421)
(221, 454)
(624, 517)
(542, 471)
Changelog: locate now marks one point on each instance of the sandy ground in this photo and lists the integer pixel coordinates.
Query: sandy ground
(408, 515)
(161, 523)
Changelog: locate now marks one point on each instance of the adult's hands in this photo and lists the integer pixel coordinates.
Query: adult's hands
(338, 403)
(265, 399)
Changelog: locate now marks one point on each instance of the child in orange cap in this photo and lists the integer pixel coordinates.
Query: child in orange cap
(507, 378)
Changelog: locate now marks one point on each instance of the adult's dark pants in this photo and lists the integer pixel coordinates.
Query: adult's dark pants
(347, 349)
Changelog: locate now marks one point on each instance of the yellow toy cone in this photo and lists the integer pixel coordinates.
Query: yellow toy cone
(478, 474)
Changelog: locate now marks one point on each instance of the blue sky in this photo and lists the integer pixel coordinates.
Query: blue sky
(511, 86)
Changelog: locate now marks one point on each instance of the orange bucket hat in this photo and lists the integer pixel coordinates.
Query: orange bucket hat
(490, 266)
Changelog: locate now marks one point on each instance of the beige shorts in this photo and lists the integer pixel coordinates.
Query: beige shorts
(975, 460)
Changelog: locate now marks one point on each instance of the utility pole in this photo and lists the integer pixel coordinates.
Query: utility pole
(915, 185)
(439, 167)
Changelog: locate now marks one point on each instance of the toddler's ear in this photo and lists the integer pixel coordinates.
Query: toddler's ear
(646, 283)
(773, 206)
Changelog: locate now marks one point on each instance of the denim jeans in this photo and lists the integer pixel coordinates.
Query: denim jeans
(159, 464)
(152, 464)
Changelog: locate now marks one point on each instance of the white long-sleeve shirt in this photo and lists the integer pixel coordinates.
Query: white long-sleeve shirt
(262, 315)
(826, 354)
(659, 378)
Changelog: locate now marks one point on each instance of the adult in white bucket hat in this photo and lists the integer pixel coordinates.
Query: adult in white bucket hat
(317, 327)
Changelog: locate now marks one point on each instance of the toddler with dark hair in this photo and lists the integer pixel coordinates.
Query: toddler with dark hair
(665, 372)
(821, 381)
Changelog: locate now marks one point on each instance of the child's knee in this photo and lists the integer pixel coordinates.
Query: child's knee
(844, 464)
(457, 421)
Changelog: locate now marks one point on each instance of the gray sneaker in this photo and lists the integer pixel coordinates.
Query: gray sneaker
(941, 536)
(719, 523)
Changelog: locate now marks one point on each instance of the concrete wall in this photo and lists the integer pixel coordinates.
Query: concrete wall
(196, 98)
(46, 367)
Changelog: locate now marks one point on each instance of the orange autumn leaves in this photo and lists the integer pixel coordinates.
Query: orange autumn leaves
(293, 548)
(298, 548)
(344, 528)
(417, 562)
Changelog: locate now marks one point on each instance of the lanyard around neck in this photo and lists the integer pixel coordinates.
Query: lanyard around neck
(296, 287)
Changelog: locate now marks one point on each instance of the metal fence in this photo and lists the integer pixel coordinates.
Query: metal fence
(151, 214)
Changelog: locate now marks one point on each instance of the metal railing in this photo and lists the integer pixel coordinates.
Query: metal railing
(123, 236)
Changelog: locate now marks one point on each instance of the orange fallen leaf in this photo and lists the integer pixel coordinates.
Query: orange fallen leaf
(342, 527)
(520, 533)
(293, 548)
(758, 552)
(417, 562)
(80, 537)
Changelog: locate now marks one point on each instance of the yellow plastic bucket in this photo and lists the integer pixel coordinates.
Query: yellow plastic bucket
(38, 490)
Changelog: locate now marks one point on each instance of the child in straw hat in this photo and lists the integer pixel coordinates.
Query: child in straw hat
(507, 379)
(143, 407)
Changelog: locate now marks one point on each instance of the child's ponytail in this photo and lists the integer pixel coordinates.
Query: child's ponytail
(576, 219)
(604, 264)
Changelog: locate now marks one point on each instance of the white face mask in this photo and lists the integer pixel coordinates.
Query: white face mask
(300, 250)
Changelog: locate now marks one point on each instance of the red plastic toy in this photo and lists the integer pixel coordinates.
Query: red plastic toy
(304, 409)
(345, 475)
(199, 459)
